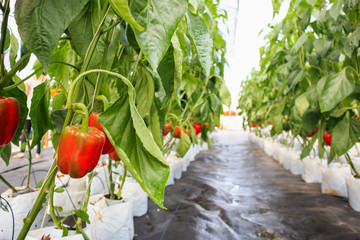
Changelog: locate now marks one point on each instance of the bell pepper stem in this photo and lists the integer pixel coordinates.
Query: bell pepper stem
(86, 198)
(102, 98)
(8, 184)
(85, 118)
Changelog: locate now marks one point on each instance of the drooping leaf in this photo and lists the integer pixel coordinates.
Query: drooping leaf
(202, 40)
(204, 111)
(154, 126)
(5, 153)
(345, 134)
(310, 119)
(41, 24)
(144, 87)
(178, 58)
(39, 112)
(165, 16)
(121, 8)
(184, 144)
(337, 87)
(299, 43)
(166, 72)
(278, 127)
(127, 131)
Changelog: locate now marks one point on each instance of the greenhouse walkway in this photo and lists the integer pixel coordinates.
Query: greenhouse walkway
(237, 192)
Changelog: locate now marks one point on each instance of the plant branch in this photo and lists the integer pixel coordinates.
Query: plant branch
(8, 184)
(3, 34)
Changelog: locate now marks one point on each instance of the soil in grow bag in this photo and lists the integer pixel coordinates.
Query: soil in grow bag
(236, 191)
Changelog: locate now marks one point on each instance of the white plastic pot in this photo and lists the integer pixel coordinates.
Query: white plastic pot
(333, 179)
(353, 188)
(21, 205)
(133, 192)
(312, 169)
(296, 166)
(111, 221)
(100, 181)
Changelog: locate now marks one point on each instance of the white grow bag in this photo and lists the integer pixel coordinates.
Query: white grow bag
(133, 192)
(113, 222)
(21, 206)
(312, 170)
(353, 187)
(333, 179)
(53, 233)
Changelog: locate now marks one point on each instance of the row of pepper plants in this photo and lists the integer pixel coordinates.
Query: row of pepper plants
(140, 69)
(308, 80)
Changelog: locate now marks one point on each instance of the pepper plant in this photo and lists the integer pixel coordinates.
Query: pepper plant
(309, 76)
(154, 61)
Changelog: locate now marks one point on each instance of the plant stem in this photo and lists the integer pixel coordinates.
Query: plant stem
(111, 181)
(122, 183)
(102, 98)
(20, 82)
(51, 207)
(39, 201)
(3, 34)
(30, 159)
(85, 118)
(348, 159)
(8, 184)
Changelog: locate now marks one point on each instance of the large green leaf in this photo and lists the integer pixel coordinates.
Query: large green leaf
(299, 43)
(154, 126)
(337, 87)
(184, 144)
(202, 40)
(302, 104)
(57, 121)
(160, 19)
(166, 72)
(345, 134)
(39, 112)
(310, 119)
(278, 127)
(225, 95)
(121, 8)
(189, 83)
(204, 111)
(144, 87)
(178, 59)
(215, 103)
(127, 131)
(22, 99)
(41, 23)
(13, 49)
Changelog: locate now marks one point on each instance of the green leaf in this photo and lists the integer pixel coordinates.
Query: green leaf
(204, 111)
(312, 94)
(154, 126)
(58, 101)
(302, 104)
(310, 119)
(14, 49)
(83, 215)
(225, 95)
(132, 140)
(278, 127)
(144, 87)
(121, 8)
(215, 103)
(39, 112)
(65, 231)
(22, 99)
(5, 153)
(336, 8)
(189, 83)
(41, 24)
(306, 151)
(345, 134)
(202, 40)
(59, 190)
(40, 183)
(178, 59)
(165, 16)
(184, 144)
(337, 87)
(166, 72)
(276, 6)
(299, 43)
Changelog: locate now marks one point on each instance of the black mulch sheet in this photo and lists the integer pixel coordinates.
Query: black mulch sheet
(236, 191)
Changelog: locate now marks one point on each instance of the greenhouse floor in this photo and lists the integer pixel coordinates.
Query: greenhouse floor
(238, 192)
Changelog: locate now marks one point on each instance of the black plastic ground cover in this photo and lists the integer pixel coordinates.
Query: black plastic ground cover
(236, 191)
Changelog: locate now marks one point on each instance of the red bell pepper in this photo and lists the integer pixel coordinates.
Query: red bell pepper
(197, 128)
(206, 125)
(94, 122)
(177, 132)
(79, 151)
(167, 128)
(327, 138)
(9, 119)
(187, 132)
(114, 156)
